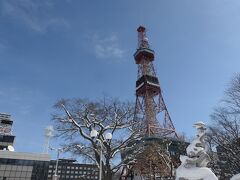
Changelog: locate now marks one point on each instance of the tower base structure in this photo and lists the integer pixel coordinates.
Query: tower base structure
(153, 158)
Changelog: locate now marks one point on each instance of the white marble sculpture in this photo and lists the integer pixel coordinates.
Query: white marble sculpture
(193, 165)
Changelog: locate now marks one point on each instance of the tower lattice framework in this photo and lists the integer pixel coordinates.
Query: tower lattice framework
(150, 108)
(151, 153)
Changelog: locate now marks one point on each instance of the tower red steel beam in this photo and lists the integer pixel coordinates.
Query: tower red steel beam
(150, 106)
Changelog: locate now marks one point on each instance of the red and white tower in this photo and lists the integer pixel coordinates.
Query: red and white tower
(150, 107)
(152, 121)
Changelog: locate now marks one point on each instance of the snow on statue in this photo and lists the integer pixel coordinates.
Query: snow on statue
(193, 165)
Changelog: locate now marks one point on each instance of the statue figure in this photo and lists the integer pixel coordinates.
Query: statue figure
(193, 165)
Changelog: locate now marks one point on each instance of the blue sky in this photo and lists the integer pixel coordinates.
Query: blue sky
(52, 49)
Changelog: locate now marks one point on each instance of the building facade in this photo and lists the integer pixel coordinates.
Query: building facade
(70, 169)
(31, 166)
(16, 165)
(23, 166)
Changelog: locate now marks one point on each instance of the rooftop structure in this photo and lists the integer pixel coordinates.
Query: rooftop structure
(6, 137)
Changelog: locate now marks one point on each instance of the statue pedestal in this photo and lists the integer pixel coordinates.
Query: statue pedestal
(236, 177)
(193, 173)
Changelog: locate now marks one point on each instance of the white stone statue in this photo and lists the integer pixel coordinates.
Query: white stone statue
(193, 165)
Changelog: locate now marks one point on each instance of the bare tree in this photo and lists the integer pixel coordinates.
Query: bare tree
(76, 118)
(224, 132)
(153, 160)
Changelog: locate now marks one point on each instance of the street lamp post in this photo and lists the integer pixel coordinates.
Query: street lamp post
(55, 176)
(100, 165)
(108, 136)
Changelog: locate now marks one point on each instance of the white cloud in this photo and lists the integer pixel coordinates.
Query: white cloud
(34, 14)
(108, 47)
